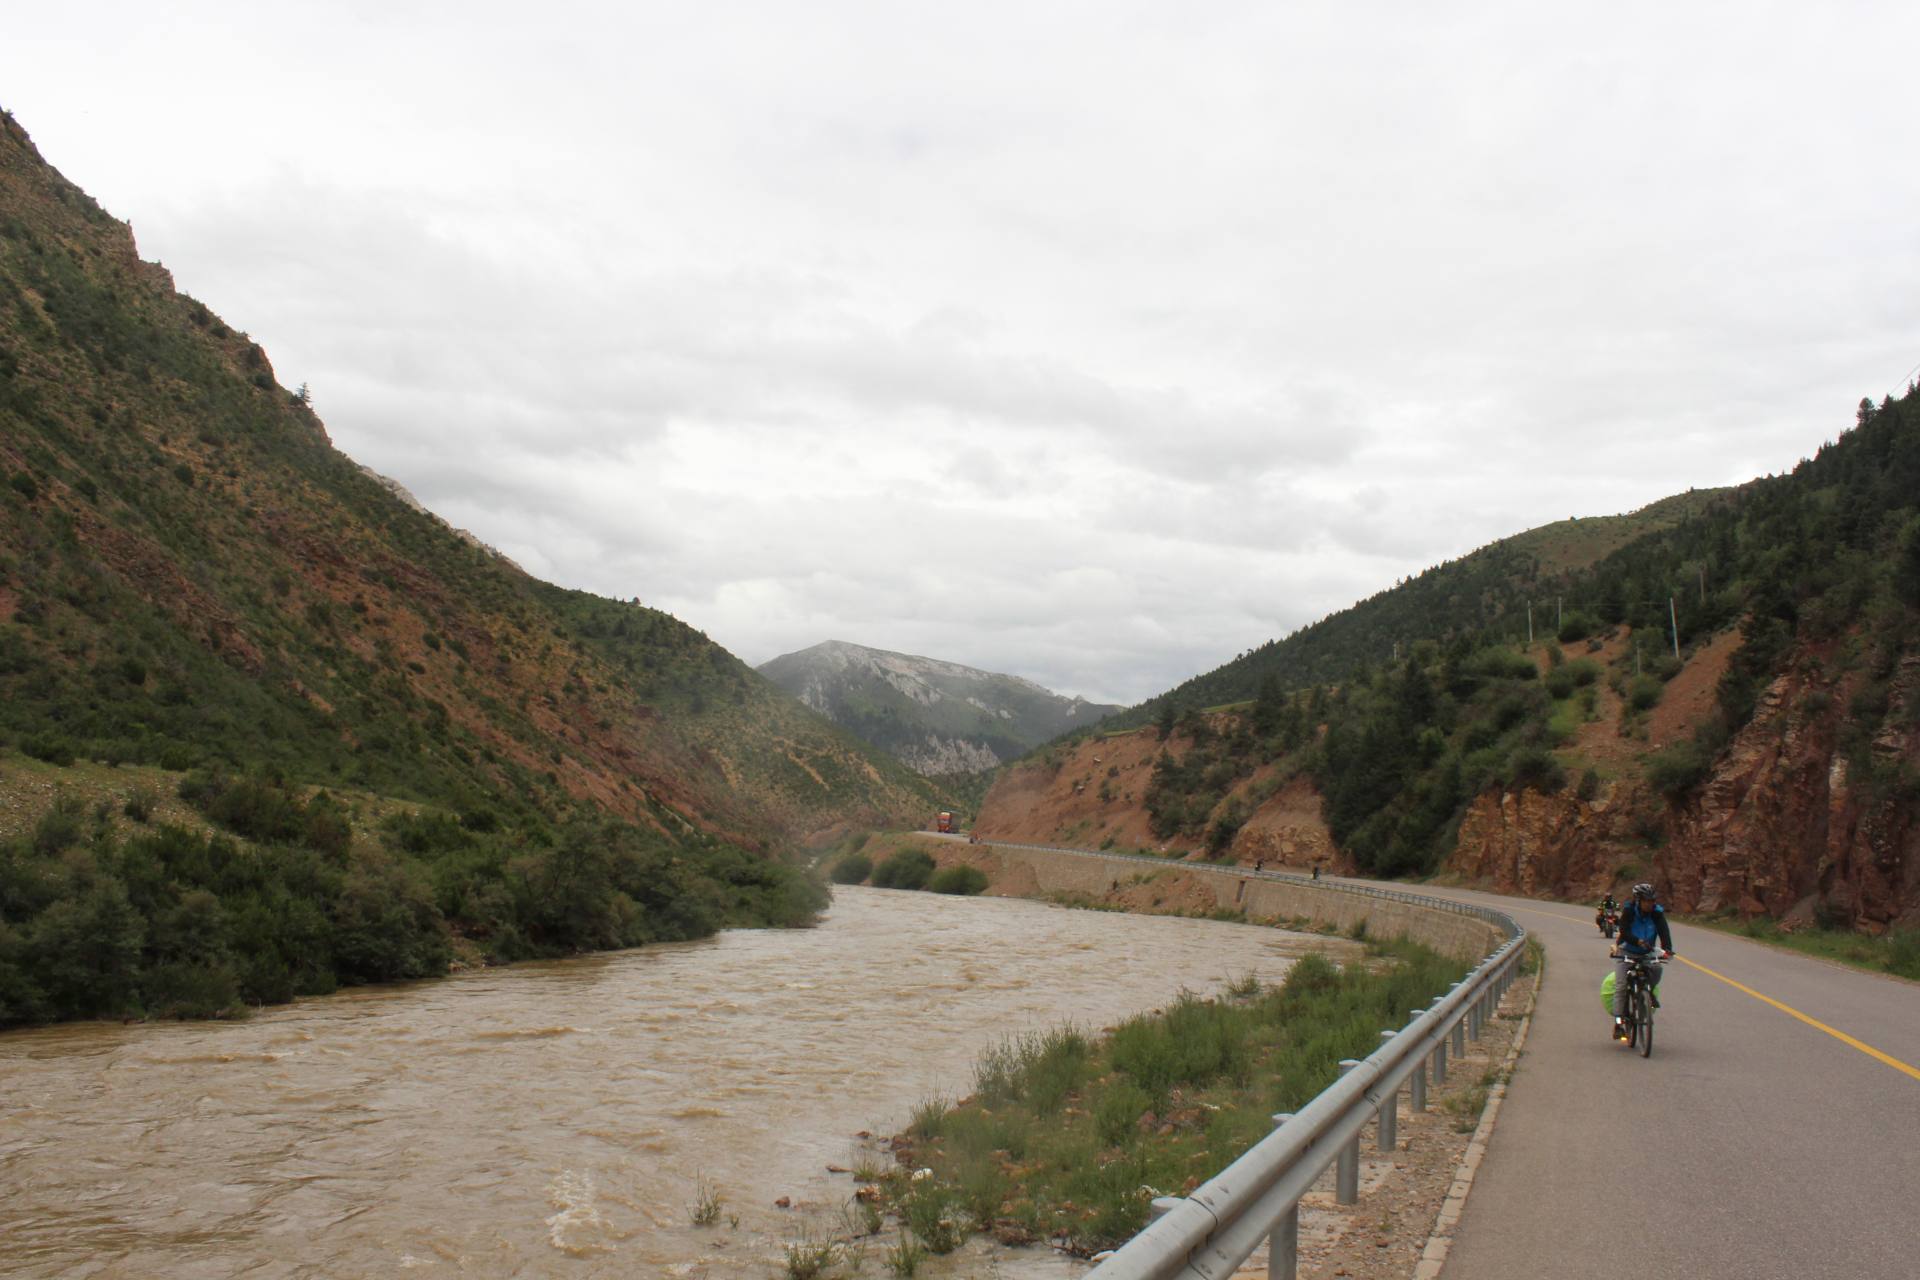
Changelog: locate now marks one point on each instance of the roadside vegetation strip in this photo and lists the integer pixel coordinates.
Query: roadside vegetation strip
(1068, 1138)
(1896, 952)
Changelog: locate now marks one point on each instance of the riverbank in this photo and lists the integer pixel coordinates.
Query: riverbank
(1066, 1138)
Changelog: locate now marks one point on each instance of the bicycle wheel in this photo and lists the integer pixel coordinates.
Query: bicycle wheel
(1644, 1017)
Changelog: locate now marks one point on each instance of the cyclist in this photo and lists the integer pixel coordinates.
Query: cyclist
(1607, 907)
(1643, 922)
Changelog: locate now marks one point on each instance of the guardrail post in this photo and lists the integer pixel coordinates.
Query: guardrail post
(1283, 1246)
(1346, 1183)
(1389, 1135)
(1440, 1051)
(1460, 1039)
(1160, 1206)
(1417, 1082)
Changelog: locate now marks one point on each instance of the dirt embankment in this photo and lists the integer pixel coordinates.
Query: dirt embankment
(1092, 795)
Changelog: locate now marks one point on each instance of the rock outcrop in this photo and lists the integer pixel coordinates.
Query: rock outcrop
(1784, 825)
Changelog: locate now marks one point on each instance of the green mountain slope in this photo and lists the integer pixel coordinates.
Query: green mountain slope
(191, 577)
(1484, 593)
(1808, 581)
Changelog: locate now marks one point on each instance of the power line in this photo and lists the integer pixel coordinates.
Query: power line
(1906, 383)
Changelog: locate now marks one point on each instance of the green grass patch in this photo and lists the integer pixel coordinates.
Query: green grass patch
(1067, 1138)
(1896, 952)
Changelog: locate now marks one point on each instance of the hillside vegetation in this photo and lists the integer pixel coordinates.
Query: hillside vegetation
(192, 579)
(1782, 778)
(1484, 594)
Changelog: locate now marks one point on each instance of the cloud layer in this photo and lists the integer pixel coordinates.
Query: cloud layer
(1092, 343)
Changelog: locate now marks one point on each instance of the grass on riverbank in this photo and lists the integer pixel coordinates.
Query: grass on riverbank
(1068, 1138)
(1896, 952)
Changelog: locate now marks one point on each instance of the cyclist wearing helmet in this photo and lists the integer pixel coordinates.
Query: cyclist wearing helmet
(1642, 923)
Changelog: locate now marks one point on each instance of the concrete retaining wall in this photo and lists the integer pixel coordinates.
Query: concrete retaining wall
(1188, 886)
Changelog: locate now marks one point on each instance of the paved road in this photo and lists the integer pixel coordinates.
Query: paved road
(1751, 1145)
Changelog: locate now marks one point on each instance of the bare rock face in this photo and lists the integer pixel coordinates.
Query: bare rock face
(1784, 825)
(1787, 826)
(1544, 845)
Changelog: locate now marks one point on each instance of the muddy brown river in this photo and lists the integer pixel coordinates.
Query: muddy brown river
(555, 1118)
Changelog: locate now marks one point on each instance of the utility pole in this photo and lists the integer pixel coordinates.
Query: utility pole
(1559, 617)
(1529, 624)
(1703, 586)
(1673, 616)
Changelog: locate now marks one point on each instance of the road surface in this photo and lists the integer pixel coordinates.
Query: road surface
(1775, 1132)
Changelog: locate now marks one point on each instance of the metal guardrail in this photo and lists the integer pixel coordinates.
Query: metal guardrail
(1207, 1235)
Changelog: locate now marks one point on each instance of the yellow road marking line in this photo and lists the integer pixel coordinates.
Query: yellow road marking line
(1815, 1023)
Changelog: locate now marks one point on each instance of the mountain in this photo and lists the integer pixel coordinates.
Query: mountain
(1730, 705)
(192, 579)
(938, 717)
(1485, 591)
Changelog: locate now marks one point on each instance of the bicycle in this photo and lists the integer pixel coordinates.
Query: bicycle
(1640, 1002)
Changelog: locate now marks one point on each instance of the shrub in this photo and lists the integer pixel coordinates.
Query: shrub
(1581, 674)
(59, 828)
(1678, 769)
(1533, 767)
(1643, 692)
(183, 989)
(904, 1258)
(964, 881)
(49, 747)
(1116, 1117)
(907, 869)
(1037, 1068)
(933, 1214)
(1576, 626)
(1193, 1042)
(139, 804)
(1589, 785)
(852, 869)
(1501, 664)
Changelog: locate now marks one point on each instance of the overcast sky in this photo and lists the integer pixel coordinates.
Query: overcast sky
(1092, 342)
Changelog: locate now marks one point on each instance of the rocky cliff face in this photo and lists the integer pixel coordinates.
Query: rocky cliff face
(937, 717)
(1784, 825)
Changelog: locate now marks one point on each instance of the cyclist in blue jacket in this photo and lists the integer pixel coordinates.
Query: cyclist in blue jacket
(1643, 922)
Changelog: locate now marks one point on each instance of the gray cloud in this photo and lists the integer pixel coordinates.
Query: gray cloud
(1098, 355)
